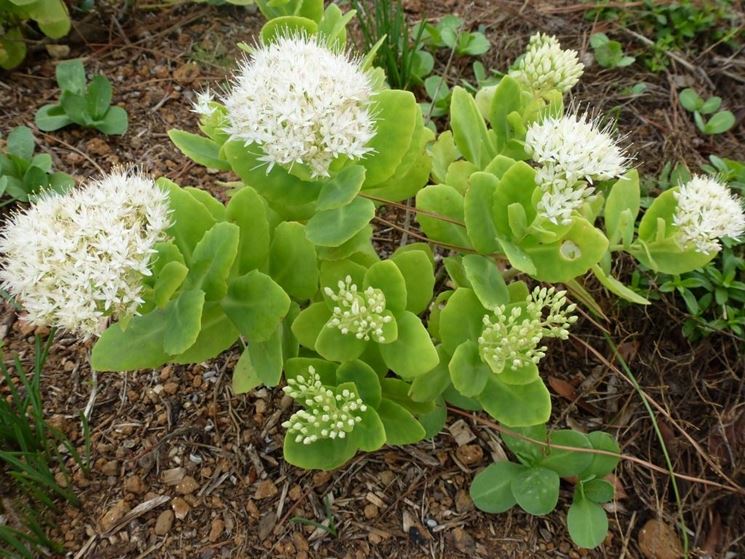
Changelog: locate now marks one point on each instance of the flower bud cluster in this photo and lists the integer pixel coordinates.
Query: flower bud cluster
(511, 337)
(706, 211)
(359, 313)
(327, 415)
(546, 66)
(572, 152)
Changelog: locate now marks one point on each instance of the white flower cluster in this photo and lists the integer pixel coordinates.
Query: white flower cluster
(546, 66)
(326, 415)
(706, 211)
(72, 260)
(358, 313)
(302, 104)
(511, 338)
(572, 152)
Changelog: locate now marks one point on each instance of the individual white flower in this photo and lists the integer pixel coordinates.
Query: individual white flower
(707, 211)
(510, 339)
(573, 152)
(302, 104)
(73, 260)
(202, 105)
(328, 414)
(546, 66)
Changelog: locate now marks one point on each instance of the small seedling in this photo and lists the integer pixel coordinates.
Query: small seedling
(450, 33)
(439, 97)
(609, 54)
(23, 174)
(718, 123)
(87, 105)
(731, 171)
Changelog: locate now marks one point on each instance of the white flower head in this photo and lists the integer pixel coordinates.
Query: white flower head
(73, 260)
(546, 66)
(572, 152)
(358, 312)
(302, 104)
(202, 105)
(707, 211)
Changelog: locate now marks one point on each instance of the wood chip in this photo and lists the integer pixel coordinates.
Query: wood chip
(461, 432)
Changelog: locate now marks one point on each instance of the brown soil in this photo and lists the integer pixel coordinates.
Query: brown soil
(180, 433)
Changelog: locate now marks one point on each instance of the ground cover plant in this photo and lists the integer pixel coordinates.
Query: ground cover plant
(374, 347)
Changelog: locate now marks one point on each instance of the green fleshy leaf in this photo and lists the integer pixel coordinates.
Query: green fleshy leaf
(434, 421)
(286, 26)
(528, 452)
(364, 378)
(292, 261)
(397, 391)
(523, 375)
(212, 260)
(183, 321)
(331, 228)
(469, 129)
(51, 117)
(386, 276)
(246, 209)
(413, 353)
(335, 346)
(309, 324)
(598, 490)
(445, 201)
(342, 189)
(486, 280)
(369, 434)
(478, 214)
(396, 113)
(401, 427)
(536, 490)
(587, 523)
(617, 288)
(566, 462)
(199, 149)
(325, 454)
(602, 464)
(168, 280)
(216, 335)
(140, 346)
(468, 372)
(114, 123)
(213, 205)
(418, 273)
(622, 207)
(516, 405)
(98, 96)
(429, 386)
(191, 220)
(461, 319)
(491, 488)
(256, 304)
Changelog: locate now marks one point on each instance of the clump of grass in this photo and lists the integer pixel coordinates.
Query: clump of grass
(383, 25)
(31, 451)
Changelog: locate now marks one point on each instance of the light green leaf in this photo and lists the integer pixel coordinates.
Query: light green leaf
(140, 346)
(342, 189)
(447, 202)
(469, 129)
(566, 462)
(401, 428)
(461, 319)
(331, 344)
(516, 405)
(292, 261)
(70, 76)
(486, 280)
(212, 260)
(624, 195)
(467, 371)
(615, 286)
(183, 321)
(418, 273)
(478, 213)
(602, 464)
(429, 386)
(199, 149)
(217, 335)
(256, 305)
(246, 209)
(386, 276)
(114, 123)
(325, 454)
(285, 26)
(51, 117)
(331, 228)
(491, 488)
(587, 523)
(98, 96)
(536, 490)
(364, 378)
(413, 353)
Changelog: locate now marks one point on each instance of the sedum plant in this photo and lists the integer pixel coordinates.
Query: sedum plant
(24, 175)
(371, 347)
(87, 105)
